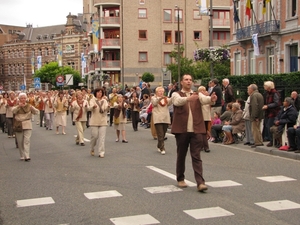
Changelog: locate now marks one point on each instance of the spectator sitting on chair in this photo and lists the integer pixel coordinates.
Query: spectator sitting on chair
(216, 129)
(293, 134)
(286, 116)
(235, 125)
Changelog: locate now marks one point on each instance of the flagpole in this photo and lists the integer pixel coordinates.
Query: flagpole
(273, 13)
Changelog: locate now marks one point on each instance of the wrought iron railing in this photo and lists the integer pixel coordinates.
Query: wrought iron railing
(268, 27)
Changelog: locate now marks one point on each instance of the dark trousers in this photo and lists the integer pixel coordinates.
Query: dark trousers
(2, 122)
(42, 112)
(161, 129)
(268, 123)
(294, 137)
(135, 119)
(9, 125)
(88, 116)
(184, 141)
(111, 115)
(215, 131)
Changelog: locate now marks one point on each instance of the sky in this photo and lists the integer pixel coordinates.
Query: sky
(39, 13)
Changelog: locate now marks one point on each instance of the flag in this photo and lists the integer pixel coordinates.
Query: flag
(236, 18)
(203, 7)
(39, 62)
(264, 9)
(255, 44)
(59, 54)
(83, 64)
(32, 65)
(248, 9)
(95, 31)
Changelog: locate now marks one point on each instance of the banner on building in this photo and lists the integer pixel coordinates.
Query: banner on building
(95, 31)
(32, 65)
(83, 65)
(203, 7)
(255, 44)
(59, 54)
(39, 62)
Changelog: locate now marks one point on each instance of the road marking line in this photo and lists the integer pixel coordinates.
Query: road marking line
(206, 213)
(276, 178)
(135, 220)
(162, 189)
(34, 202)
(278, 205)
(222, 183)
(172, 176)
(102, 194)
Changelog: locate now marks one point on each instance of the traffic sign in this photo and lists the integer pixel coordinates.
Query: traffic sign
(22, 87)
(60, 79)
(37, 80)
(37, 86)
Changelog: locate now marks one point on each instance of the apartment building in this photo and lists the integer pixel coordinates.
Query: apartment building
(137, 36)
(277, 27)
(19, 54)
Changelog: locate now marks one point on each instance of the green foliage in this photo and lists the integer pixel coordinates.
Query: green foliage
(148, 77)
(50, 71)
(285, 83)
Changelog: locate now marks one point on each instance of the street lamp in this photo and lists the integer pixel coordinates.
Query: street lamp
(211, 38)
(178, 45)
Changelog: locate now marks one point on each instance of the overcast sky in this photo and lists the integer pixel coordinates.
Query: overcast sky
(38, 12)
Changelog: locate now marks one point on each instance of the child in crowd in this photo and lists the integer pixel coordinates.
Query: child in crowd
(215, 121)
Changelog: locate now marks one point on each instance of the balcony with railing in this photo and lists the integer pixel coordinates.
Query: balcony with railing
(110, 43)
(262, 29)
(108, 64)
(110, 21)
(221, 23)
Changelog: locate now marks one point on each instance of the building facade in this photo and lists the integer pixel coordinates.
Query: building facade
(277, 26)
(137, 36)
(20, 54)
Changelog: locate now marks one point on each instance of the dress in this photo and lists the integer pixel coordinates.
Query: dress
(61, 106)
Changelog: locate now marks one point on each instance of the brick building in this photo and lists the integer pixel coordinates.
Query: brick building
(278, 32)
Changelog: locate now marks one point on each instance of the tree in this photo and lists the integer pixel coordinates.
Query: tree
(148, 77)
(50, 71)
(186, 64)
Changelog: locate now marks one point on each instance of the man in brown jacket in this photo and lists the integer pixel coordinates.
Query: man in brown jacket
(256, 113)
(188, 128)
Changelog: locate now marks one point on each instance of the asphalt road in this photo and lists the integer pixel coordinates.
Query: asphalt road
(134, 184)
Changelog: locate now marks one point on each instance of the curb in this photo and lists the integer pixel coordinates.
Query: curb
(272, 151)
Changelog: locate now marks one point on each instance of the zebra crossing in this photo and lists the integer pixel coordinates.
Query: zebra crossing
(213, 211)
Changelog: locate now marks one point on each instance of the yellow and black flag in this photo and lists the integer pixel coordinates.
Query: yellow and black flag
(264, 9)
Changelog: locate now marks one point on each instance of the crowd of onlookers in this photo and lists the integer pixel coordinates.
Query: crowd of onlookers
(257, 119)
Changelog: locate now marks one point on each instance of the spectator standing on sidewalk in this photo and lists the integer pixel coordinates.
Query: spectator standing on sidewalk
(188, 129)
(256, 113)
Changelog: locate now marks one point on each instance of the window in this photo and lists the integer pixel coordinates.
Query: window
(142, 34)
(46, 51)
(197, 15)
(53, 51)
(2, 69)
(22, 69)
(270, 55)
(220, 14)
(176, 15)
(71, 64)
(32, 52)
(167, 58)
(142, 13)
(252, 65)
(167, 37)
(167, 15)
(40, 52)
(143, 56)
(237, 63)
(197, 35)
(176, 37)
(292, 8)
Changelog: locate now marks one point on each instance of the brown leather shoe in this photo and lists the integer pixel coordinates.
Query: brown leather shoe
(182, 184)
(202, 187)
(270, 144)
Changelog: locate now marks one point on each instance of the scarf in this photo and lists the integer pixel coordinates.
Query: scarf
(100, 105)
(11, 103)
(80, 110)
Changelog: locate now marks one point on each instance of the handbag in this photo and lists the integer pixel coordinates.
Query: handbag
(116, 120)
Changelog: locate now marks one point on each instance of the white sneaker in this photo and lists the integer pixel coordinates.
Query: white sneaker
(158, 150)
(163, 152)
